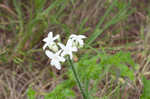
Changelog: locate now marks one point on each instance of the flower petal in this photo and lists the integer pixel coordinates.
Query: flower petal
(45, 39)
(56, 37)
(49, 54)
(45, 45)
(81, 36)
(50, 34)
(56, 64)
(70, 54)
(72, 36)
(74, 49)
(69, 43)
(62, 59)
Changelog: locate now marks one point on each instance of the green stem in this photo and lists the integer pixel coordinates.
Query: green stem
(77, 78)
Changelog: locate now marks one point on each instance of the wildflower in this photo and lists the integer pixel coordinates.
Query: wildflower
(68, 49)
(55, 58)
(74, 42)
(77, 40)
(49, 41)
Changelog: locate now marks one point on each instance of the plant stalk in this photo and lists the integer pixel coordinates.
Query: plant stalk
(77, 78)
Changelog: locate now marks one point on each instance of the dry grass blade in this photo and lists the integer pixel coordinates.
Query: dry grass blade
(8, 9)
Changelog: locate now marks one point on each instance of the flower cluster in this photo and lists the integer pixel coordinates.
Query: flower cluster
(57, 50)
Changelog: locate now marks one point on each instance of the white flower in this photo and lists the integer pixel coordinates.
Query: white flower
(74, 42)
(49, 41)
(55, 58)
(77, 40)
(68, 49)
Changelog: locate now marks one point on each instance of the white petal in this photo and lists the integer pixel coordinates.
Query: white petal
(58, 53)
(74, 49)
(45, 39)
(63, 54)
(53, 62)
(62, 59)
(49, 54)
(82, 36)
(56, 37)
(81, 43)
(45, 45)
(62, 45)
(70, 54)
(56, 64)
(69, 42)
(50, 34)
(72, 36)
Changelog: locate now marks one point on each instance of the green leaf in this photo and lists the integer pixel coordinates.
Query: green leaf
(146, 89)
(31, 93)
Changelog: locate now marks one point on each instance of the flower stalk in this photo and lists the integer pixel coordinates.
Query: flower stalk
(57, 52)
(77, 78)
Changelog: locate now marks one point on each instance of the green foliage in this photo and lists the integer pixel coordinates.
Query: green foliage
(91, 68)
(120, 60)
(61, 91)
(123, 13)
(31, 93)
(94, 68)
(3, 56)
(27, 26)
(146, 89)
